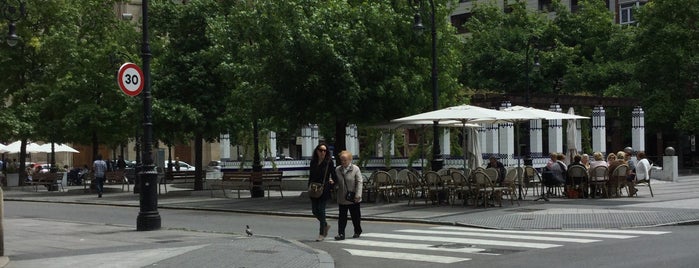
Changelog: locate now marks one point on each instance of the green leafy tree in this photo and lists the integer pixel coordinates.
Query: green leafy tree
(666, 51)
(332, 62)
(190, 95)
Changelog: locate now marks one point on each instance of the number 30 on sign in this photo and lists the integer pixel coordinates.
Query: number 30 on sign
(130, 79)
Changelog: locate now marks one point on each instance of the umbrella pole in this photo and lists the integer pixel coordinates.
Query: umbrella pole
(519, 160)
(463, 143)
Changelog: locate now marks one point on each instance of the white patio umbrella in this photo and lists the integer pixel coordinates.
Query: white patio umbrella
(425, 123)
(571, 137)
(475, 157)
(58, 148)
(2, 148)
(529, 113)
(15, 147)
(462, 113)
(534, 113)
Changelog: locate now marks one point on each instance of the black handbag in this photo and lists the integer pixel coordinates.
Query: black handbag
(315, 190)
(349, 196)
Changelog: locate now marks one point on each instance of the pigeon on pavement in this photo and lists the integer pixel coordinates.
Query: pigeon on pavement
(247, 230)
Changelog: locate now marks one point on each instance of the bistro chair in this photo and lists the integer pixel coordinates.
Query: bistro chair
(577, 182)
(383, 184)
(646, 182)
(460, 188)
(617, 180)
(433, 185)
(486, 189)
(532, 179)
(415, 187)
(509, 185)
(598, 181)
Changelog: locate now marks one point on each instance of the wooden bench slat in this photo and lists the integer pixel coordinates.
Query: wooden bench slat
(243, 180)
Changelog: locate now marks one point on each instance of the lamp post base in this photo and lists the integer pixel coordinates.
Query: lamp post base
(148, 217)
(148, 221)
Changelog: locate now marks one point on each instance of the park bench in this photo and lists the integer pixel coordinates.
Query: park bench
(113, 177)
(243, 180)
(50, 180)
(174, 176)
(117, 177)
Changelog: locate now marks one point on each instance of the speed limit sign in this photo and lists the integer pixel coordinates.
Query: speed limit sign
(130, 79)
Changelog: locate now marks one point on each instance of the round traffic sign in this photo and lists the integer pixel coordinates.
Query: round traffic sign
(130, 79)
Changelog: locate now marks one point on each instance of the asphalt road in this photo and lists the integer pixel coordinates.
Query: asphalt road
(418, 245)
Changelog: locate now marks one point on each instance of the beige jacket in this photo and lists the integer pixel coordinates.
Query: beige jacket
(352, 179)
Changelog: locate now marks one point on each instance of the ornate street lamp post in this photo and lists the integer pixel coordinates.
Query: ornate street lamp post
(148, 216)
(12, 11)
(437, 160)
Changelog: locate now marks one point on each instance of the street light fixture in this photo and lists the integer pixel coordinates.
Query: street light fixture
(148, 216)
(12, 11)
(437, 160)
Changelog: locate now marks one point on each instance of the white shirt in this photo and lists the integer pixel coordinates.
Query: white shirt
(643, 169)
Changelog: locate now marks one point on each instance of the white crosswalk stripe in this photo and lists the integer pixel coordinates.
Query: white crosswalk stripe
(405, 256)
(418, 246)
(561, 233)
(508, 236)
(457, 243)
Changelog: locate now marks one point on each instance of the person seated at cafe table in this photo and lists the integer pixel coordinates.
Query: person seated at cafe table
(494, 163)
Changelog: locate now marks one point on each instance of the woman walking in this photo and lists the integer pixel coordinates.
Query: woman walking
(349, 195)
(322, 170)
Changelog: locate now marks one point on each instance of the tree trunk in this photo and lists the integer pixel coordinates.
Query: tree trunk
(198, 159)
(340, 133)
(95, 146)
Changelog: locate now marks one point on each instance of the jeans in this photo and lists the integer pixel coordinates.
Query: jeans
(99, 184)
(356, 215)
(318, 209)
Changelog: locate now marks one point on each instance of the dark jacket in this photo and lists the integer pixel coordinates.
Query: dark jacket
(318, 174)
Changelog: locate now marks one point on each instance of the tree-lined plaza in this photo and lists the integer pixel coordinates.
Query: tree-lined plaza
(219, 66)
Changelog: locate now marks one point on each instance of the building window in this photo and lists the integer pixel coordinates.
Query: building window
(574, 6)
(545, 5)
(626, 12)
(459, 22)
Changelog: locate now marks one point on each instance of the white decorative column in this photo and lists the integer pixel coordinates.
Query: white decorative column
(225, 145)
(638, 129)
(578, 135)
(386, 145)
(506, 139)
(272, 144)
(536, 137)
(445, 142)
(355, 142)
(351, 141)
(491, 139)
(555, 131)
(306, 142)
(599, 139)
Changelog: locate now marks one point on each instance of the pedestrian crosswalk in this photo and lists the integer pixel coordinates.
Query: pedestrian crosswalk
(458, 244)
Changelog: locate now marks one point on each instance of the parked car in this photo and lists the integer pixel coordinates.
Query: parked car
(214, 165)
(184, 166)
